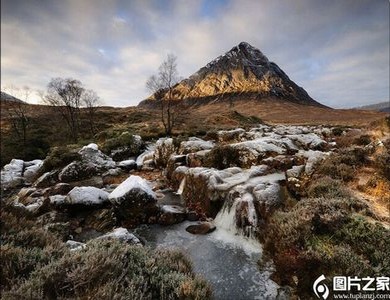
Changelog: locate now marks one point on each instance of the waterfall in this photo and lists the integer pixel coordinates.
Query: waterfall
(238, 216)
(181, 187)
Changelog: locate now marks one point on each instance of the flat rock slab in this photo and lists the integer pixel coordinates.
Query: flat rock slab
(201, 228)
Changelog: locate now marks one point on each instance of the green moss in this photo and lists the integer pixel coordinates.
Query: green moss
(59, 157)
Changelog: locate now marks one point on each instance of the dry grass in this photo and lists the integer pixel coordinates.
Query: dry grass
(35, 264)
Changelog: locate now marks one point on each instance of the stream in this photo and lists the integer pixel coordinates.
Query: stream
(227, 261)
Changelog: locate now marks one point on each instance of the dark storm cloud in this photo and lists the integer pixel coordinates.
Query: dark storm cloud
(337, 50)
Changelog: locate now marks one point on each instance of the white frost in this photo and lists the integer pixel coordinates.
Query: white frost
(121, 234)
(131, 183)
(86, 195)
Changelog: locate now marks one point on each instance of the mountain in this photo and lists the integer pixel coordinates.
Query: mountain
(242, 71)
(6, 97)
(382, 107)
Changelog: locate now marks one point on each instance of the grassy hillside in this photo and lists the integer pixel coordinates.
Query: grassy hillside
(46, 128)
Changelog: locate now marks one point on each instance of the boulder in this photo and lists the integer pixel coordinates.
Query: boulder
(127, 165)
(197, 159)
(146, 155)
(235, 135)
(25, 192)
(86, 196)
(313, 158)
(47, 179)
(171, 214)
(60, 189)
(31, 169)
(75, 246)
(57, 200)
(123, 235)
(308, 141)
(134, 200)
(12, 174)
(192, 216)
(134, 146)
(93, 162)
(201, 228)
(204, 190)
(195, 144)
(268, 197)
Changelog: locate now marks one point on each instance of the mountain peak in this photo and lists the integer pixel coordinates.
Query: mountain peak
(243, 70)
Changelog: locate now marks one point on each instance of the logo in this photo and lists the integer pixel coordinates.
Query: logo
(320, 289)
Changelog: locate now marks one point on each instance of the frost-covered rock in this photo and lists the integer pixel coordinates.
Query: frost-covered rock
(197, 159)
(295, 171)
(268, 196)
(164, 149)
(47, 179)
(57, 200)
(208, 188)
(313, 158)
(12, 174)
(87, 196)
(93, 162)
(128, 164)
(31, 169)
(123, 235)
(236, 135)
(75, 246)
(171, 214)
(148, 154)
(134, 199)
(251, 152)
(308, 141)
(195, 144)
(132, 187)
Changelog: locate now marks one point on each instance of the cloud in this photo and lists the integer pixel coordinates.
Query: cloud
(337, 50)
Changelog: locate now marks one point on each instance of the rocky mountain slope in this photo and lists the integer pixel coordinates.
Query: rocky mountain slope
(242, 71)
(382, 107)
(8, 98)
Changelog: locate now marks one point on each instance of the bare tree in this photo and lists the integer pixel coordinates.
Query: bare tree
(66, 94)
(19, 110)
(161, 85)
(91, 101)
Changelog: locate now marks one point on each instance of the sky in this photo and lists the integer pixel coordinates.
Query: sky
(337, 50)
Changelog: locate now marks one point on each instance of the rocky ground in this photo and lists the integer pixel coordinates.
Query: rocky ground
(84, 195)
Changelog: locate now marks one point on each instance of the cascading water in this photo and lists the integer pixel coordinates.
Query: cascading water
(181, 187)
(238, 216)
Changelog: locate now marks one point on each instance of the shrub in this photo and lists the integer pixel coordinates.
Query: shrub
(363, 140)
(327, 187)
(382, 162)
(60, 157)
(114, 270)
(126, 141)
(337, 131)
(211, 135)
(342, 165)
(326, 236)
(36, 264)
(24, 247)
(222, 157)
